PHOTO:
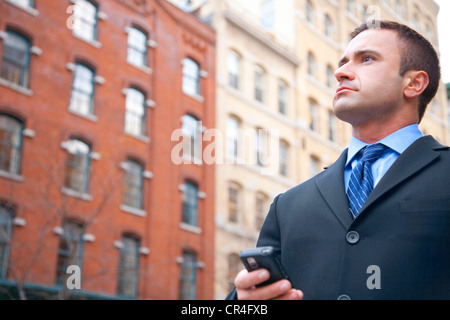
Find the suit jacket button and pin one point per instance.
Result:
(344, 297)
(352, 237)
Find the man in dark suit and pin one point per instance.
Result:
(376, 223)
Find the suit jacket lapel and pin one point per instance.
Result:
(332, 188)
(416, 157)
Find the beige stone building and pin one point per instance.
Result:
(275, 85)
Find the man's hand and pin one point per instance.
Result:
(245, 283)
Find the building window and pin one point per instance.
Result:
(314, 115)
(185, 5)
(328, 27)
(137, 47)
(312, 65)
(191, 138)
(400, 8)
(190, 204)
(233, 137)
(24, 3)
(261, 147)
(332, 130)
(85, 20)
(234, 202)
(6, 223)
(188, 276)
(133, 185)
(70, 249)
(82, 99)
(351, 7)
(77, 166)
(331, 80)
(16, 59)
(234, 267)
(234, 69)
(268, 13)
(191, 77)
(261, 209)
(10, 144)
(284, 158)
(314, 166)
(135, 112)
(309, 12)
(282, 97)
(127, 284)
(260, 79)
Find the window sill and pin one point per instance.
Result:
(11, 176)
(29, 10)
(89, 117)
(142, 138)
(146, 69)
(197, 97)
(93, 43)
(76, 194)
(133, 211)
(190, 228)
(16, 87)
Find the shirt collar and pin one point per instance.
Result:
(398, 141)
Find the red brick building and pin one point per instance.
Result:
(92, 93)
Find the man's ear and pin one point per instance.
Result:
(415, 83)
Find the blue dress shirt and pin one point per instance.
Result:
(398, 142)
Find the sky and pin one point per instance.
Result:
(444, 38)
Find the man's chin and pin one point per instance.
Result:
(345, 111)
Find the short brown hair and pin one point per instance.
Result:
(417, 53)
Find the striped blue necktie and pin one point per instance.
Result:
(361, 180)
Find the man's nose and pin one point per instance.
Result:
(344, 72)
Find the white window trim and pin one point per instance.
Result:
(133, 211)
(29, 10)
(76, 194)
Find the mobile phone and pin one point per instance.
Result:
(264, 258)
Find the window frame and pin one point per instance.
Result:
(283, 97)
(84, 170)
(232, 134)
(192, 131)
(314, 114)
(28, 5)
(133, 181)
(14, 160)
(132, 48)
(234, 69)
(191, 77)
(188, 275)
(11, 61)
(78, 90)
(284, 158)
(190, 203)
(128, 272)
(131, 112)
(259, 84)
(92, 37)
(234, 202)
(67, 255)
(8, 213)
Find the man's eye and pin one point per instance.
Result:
(368, 59)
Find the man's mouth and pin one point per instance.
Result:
(344, 89)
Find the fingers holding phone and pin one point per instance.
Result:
(246, 287)
(264, 277)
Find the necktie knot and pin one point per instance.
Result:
(373, 152)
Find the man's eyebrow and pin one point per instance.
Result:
(358, 54)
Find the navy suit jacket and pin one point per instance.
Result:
(397, 248)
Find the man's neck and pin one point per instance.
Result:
(374, 132)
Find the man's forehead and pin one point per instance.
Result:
(374, 40)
